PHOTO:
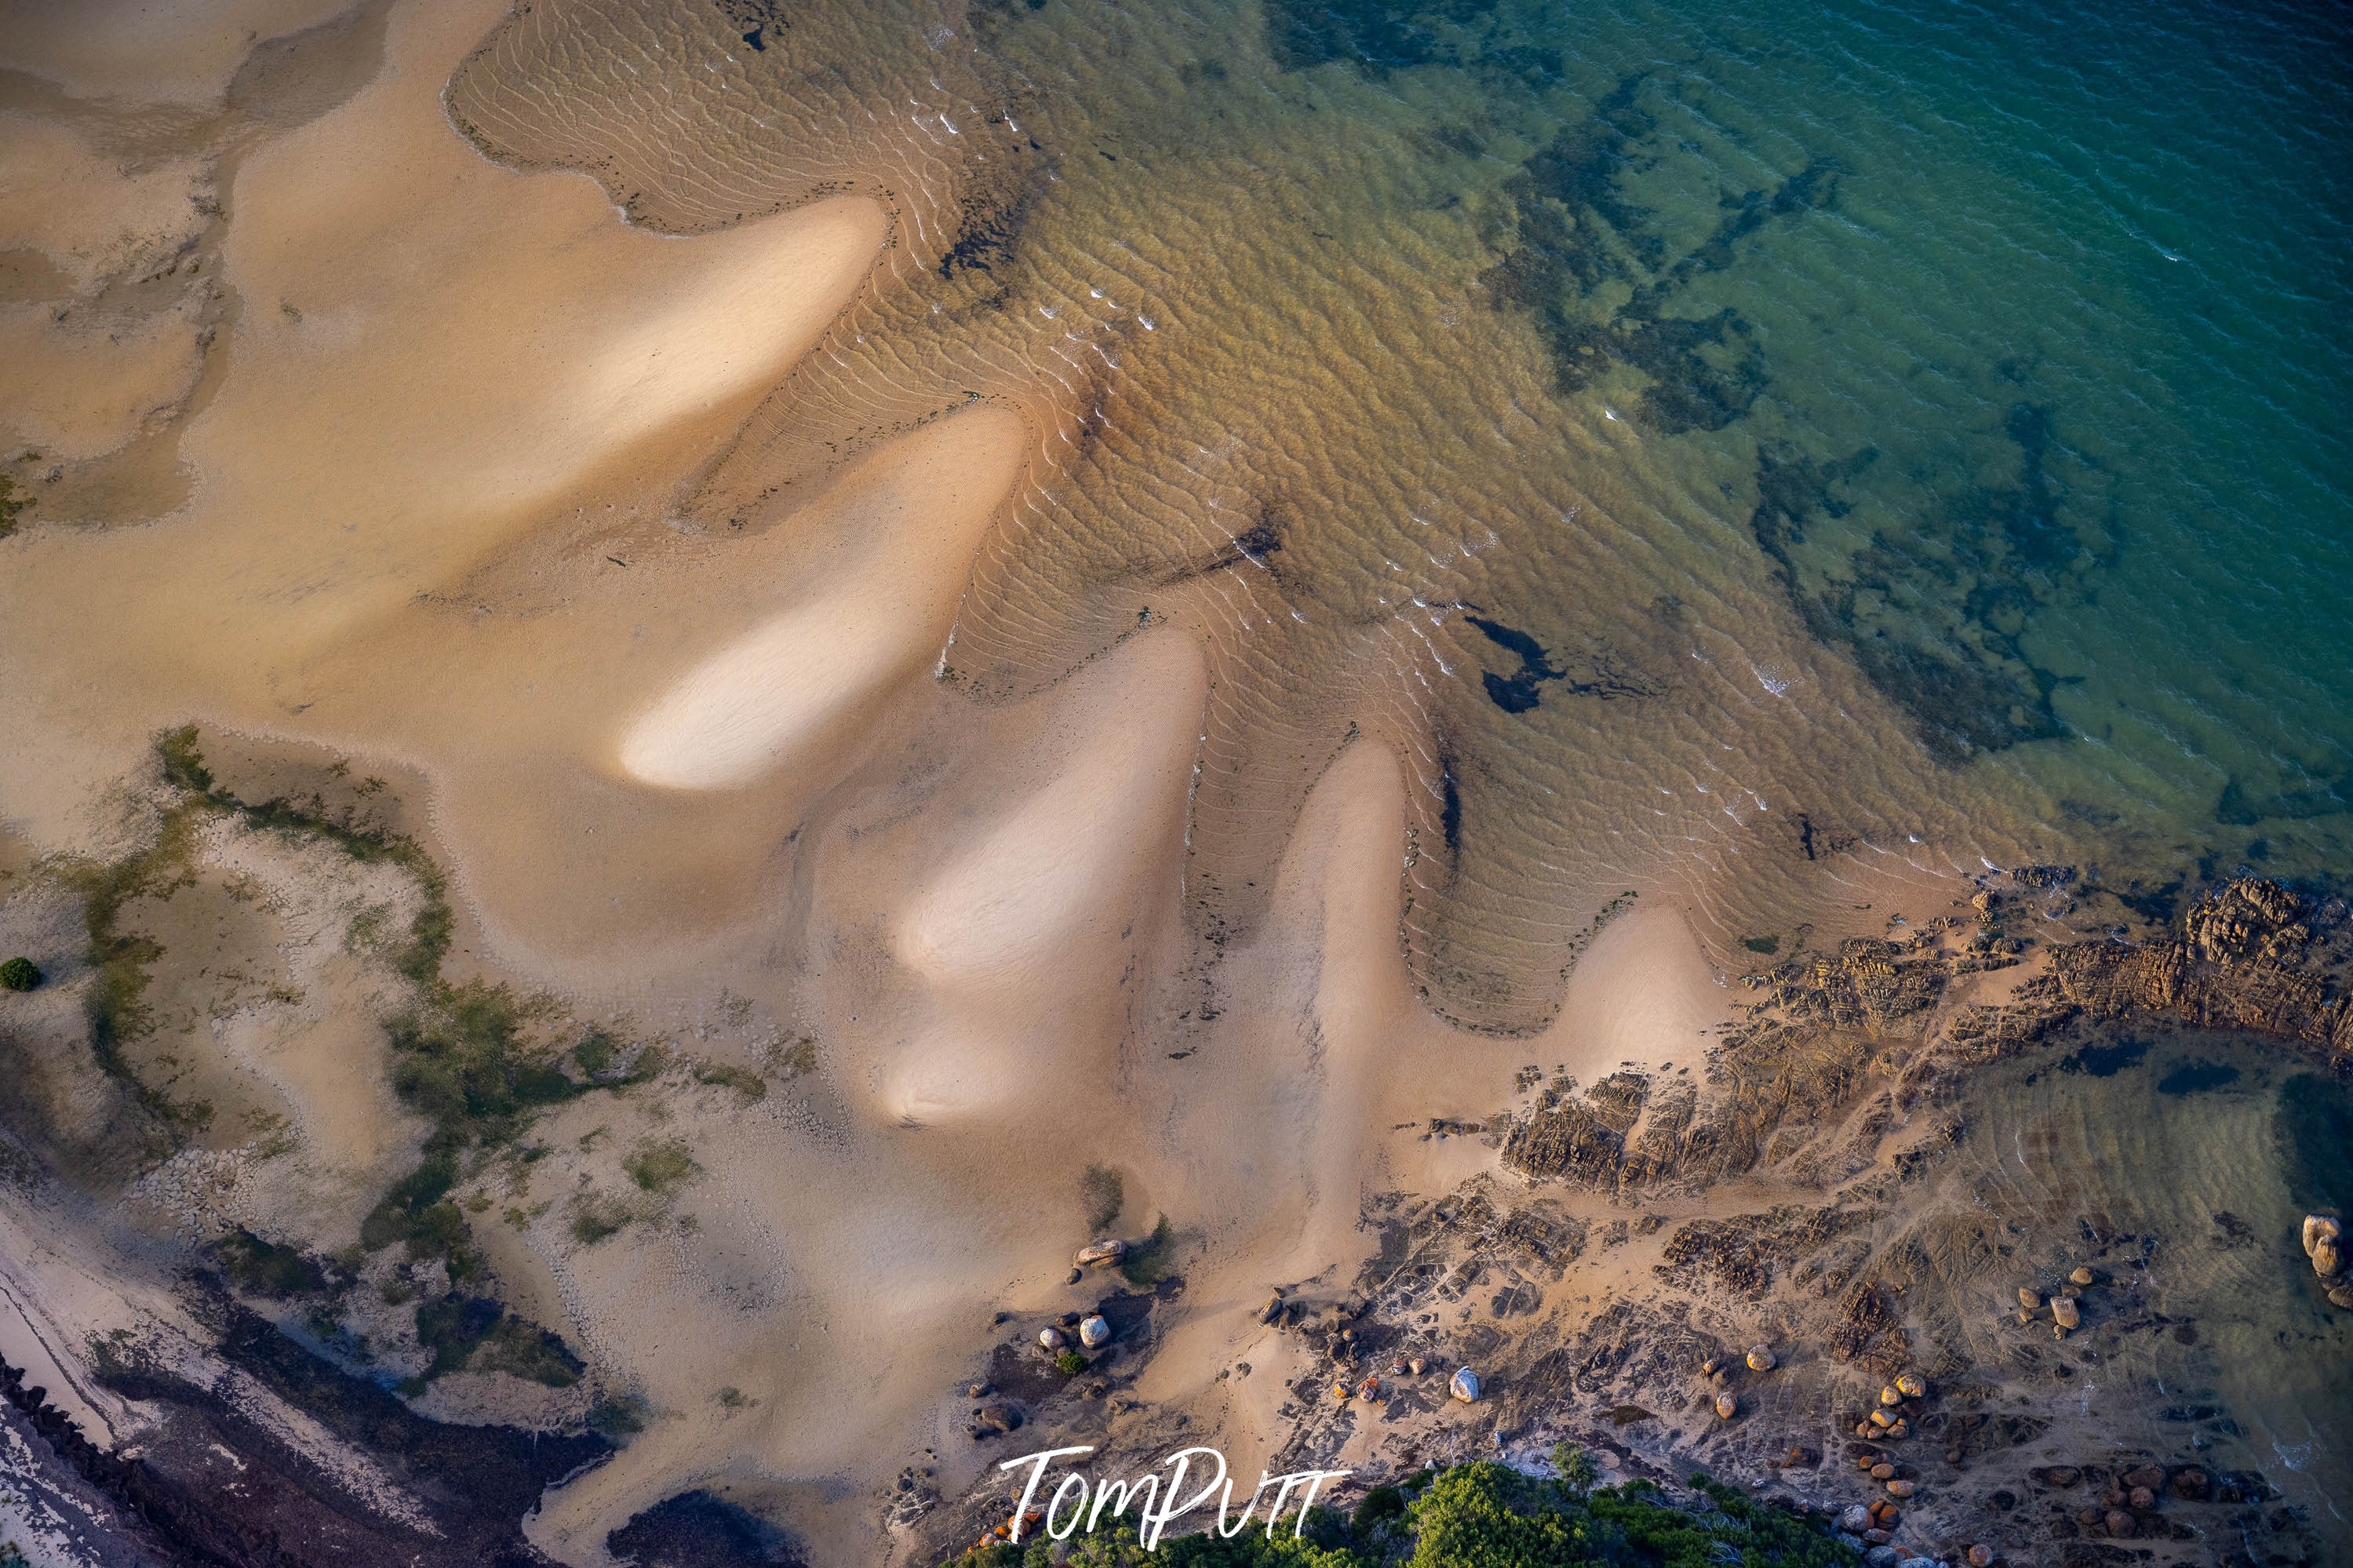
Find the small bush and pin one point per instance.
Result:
(527, 1351)
(618, 1418)
(596, 1217)
(1148, 1261)
(1101, 1190)
(265, 1269)
(20, 973)
(742, 1079)
(1069, 1363)
(658, 1166)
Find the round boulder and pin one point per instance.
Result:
(1464, 1385)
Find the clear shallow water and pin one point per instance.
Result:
(1721, 449)
(2181, 1167)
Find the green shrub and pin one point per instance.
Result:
(1069, 1363)
(265, 1269)
(742, 1079)
(528, 1351)
(20, 973)
(658, 1166)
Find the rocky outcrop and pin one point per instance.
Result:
(2238, 961)
(1836, 1046)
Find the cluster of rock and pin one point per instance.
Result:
(2129, 1503)
(1873, 1525)
(2324, 1244)
(1901, 1404)
(2066, 1303)
(1760, 1358)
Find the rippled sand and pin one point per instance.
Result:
(1021, 556)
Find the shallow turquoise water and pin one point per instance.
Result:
(2052, 375)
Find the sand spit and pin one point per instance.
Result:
(881, 561)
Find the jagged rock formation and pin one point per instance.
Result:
(1837, 1044)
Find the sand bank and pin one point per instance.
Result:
(878, 573)
(178, 52)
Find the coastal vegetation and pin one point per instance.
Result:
(478, 1061)
(1482, 1515)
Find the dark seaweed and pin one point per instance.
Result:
(2191, 1077)
(1981, 559)
(1450, 817)
(1574, 228)
(1373, 37)
(2104, 1061)
(1517, 693)
(697, 1530)
(755, 20)
(2331, 796)
(2314, 1123)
